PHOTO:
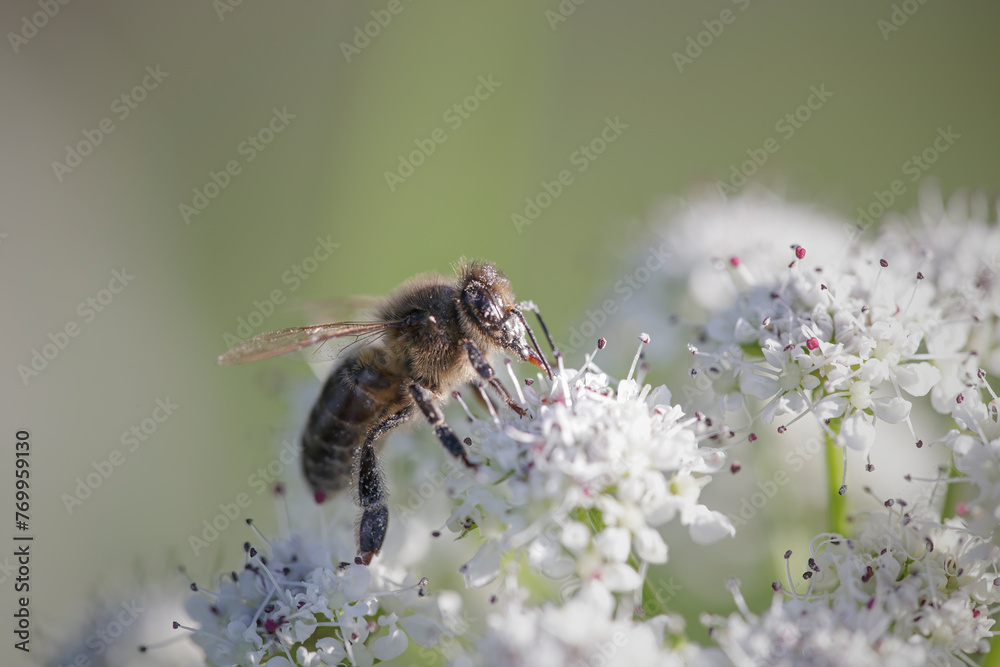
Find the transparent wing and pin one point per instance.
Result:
(274, 343)
(358, 308)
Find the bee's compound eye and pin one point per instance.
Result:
(482, 305)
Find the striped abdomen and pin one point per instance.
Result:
(357, 393)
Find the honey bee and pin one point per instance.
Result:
(431, 335)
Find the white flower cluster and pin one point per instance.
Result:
(300, 606)
(701, 237)
(905, 591)
(856, 340)
(957, 243)
(583, 631)
(975, 448)
(584, 480)
(838, 343)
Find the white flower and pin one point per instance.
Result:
(583, 631)
(583, 481)
(716, 245)
(809, 633)
(857, 340)
(975, 447)
(958, 243)
(786, 381)
(614, 544)
(301, 606)
(906, 591)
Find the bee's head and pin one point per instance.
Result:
(490, 312)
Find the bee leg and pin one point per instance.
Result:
(485, 371)
(371, 489)
(425, 401)
(508, 399)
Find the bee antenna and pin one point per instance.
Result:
(530, 305)
(534, 341)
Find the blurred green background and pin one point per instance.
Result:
(359, 105)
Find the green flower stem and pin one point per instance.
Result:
(992, 658)
(836, 508)
(952, 494)
(653, 603)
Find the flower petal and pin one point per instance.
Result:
(303, 628)
(857, 433)
(575, 536)
(619, 577)
(707, 526)
(360, 655)
(331, 651)
(758, 386)
(391, 645)
(649, 546)
(917, 379)
(355, 581)
(614, 543)
(483, 567)
(422, 630)
(892, 410)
